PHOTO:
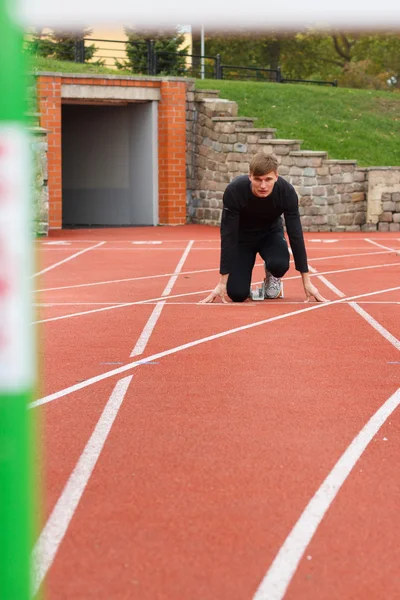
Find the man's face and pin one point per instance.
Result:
(262, 185)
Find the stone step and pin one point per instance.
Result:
(219, 107)
(200, 95)
(281, 146)
(308, 158)
(308, 153)
(36, 130)
(235, 119)
(263, 133)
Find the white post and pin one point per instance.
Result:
(202, 52)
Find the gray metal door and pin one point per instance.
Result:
(110, 165)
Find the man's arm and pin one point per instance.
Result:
(296, 238)
(310, 289)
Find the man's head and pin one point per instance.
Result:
(263, 174)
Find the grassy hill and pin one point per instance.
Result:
(362, 125)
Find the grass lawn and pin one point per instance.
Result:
(362, 125)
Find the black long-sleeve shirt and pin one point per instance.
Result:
(245, 215)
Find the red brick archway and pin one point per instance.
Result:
(171, 140)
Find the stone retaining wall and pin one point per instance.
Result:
(332, 193)
(384, 198)
(38, 143)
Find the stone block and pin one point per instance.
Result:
(294, 170)
(386, 217)
(357, 197)
(240, 148)
(332, 220)
(323, 171)
(320, 220)
(337, 178)
(347, 177)
(396, 197)
(309, 172)
(389, 206)
(346, 219)
(319, 191)
(394, 227)
(305, 191)
(383, 227)
(396, 217)
(359, 175)
(359, 218)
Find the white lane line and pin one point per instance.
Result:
(151, 323)
(134, 364)
(152, 300)
(57, 524)
(281, 571)
(284, 566)
(326, 282)
(67, 259)
(381, 246)
(261, 264)
(379, 328)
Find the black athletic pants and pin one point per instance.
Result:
(272, 248)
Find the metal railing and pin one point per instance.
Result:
(115, 54)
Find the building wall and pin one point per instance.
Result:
(171, 138)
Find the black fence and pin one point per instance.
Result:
(143, 58)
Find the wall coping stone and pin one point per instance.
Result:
(308, 153)
(382, 168)
(37, 130)
(216, 92)
(255, 129)
(110, 77)
(219, 100)
(340, 162)
(226, 119)
(279, 142)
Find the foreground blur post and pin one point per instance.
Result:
(16, 347)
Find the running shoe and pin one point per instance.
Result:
(273, 286)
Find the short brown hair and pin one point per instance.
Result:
(262, 163)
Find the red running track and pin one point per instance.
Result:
(189, 476)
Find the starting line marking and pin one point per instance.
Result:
(147, 242)
(134, 364)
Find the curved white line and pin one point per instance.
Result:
(284, 566)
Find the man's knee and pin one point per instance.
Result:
(237, 293)
(278, 266)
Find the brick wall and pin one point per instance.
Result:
(171, 139)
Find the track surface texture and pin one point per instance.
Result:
(216, 452)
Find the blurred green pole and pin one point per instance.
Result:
(16, 347)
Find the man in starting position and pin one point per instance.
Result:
(251, 223)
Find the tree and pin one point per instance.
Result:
(169, 54)
(61, 45)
